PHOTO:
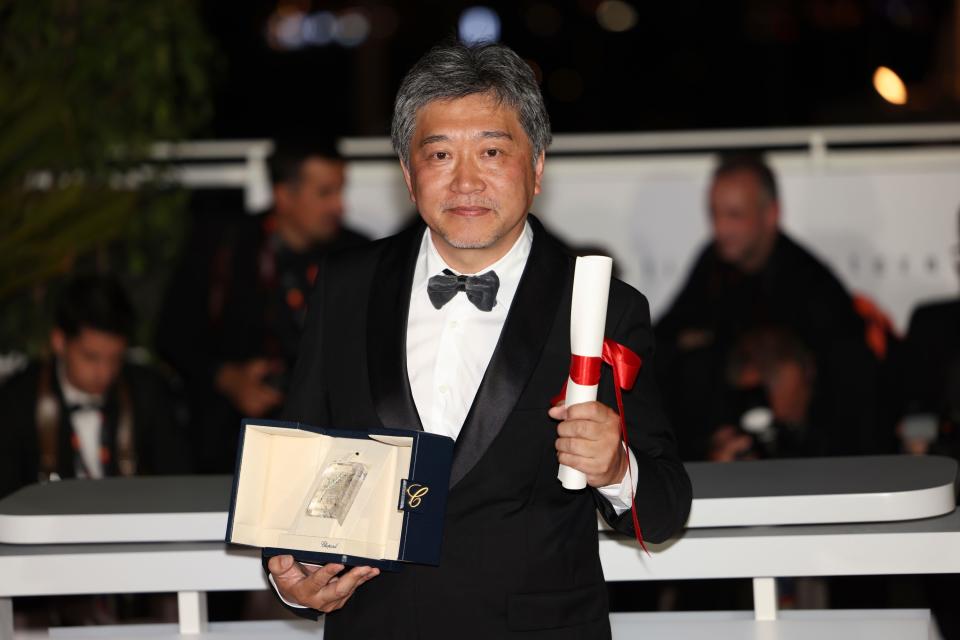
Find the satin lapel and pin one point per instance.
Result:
(522, 340)
(387, 332)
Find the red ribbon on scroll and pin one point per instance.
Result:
(585, 371)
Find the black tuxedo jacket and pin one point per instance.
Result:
(520, 553)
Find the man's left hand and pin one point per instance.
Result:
(589, 441)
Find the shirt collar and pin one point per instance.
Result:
(509, 268)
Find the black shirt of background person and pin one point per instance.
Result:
(159, 433)
(931, 370)
(237, 294)
(794, 291)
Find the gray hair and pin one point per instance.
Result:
(455, 70)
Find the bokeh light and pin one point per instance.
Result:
(317, 29)
(352, 29)
(479, 24)
(889, 85)
(616, 16)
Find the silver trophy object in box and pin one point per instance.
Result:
(336, 489)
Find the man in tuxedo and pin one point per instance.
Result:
(87, 412)
(461, 327)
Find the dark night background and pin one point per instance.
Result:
(687, 64)
(81, 80)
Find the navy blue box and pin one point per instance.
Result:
(393, 483)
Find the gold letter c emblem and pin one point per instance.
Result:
(415, 493)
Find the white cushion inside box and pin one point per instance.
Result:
(278, 469)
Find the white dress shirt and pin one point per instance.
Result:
(448, 349)
(87, 425)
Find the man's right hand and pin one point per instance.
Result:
(316, 587)
(243, 383)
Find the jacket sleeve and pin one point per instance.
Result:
(663, 491)
(307, 396)
(306, 400)
(164, 442)
(920, 385)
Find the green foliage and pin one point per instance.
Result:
(85, 88)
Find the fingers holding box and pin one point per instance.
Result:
(319, 588)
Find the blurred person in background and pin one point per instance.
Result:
(930, 380)
(773, 368)
(232, 316)
(763, 354)
(87, 412)
(752, 277)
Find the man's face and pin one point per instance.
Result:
(744, 220)
(313, 205)
(472, 175)
(92, 358)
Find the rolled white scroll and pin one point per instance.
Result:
(588, 316)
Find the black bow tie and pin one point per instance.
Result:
(86, 406)
(481, 290)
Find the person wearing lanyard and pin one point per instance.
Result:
(87, 412)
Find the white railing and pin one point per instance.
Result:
(814, 138)
(878, 203)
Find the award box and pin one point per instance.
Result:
(374, 498)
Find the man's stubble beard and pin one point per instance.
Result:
(479, 243)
